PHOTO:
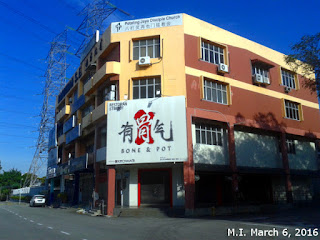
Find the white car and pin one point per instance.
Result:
(38, 200)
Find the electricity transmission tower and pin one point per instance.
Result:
(95, 14)
(55, 80)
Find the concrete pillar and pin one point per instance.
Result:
(111, 190)
(233, 161)
(189, 172)
(285, 162)
(62, 185)
(51, 199)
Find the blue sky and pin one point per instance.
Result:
(28, 26)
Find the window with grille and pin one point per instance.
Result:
(259, 69)
(291, 146)
(209, 134)
(147, 88)
(292, 110)
(215, 91)
(212, 53)
(147, 47)
(288, 79)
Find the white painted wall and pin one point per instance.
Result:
(210, 154)
(305, 157)
(256, 150)
(133, 187)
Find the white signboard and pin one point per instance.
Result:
(146, 23)
(147, 131)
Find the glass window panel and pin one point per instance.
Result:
(210, 46)
(219, 139)
(150, 51)
(206, 57)
(143, 92)
(135, 53)
(211, 57)
(216, 58)
(214, 138)
(157, 40)
(157, 51)
(143, 51)
(136, 93)
(150, 81)
(219, 97)
(142, 82)
(214, 95)
(208, 97)
(197, 136)
(221, 59)
(143, 42)
(216, 49)
(209, 140)
(136, 43)
(157, 81)
(203, 136)
(224, 97)
(150, 91)
(205, 45)
(150, 42)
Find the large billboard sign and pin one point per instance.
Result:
(147, 131)
(147, 23)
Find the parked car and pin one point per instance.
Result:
(38, 200)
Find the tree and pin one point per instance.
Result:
(0, 166)
(306, 58)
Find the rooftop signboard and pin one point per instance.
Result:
(147, 23)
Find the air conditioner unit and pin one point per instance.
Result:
(258, 78)
(287, 89)
(266, 80)
(144, 61)
(223, 68)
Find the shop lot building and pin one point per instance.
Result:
(173, 111)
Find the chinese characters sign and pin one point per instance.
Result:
(147, 131)
(146, 23)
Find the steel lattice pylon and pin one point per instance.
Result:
(55, 81)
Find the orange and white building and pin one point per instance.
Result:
(224, 118)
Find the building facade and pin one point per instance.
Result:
(239, 124)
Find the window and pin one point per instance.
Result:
(147, 47)
(107, 93)
(212, 53)
(292, 110)
(215, 92)
(259, 69)
(291, 146)
(147, 88)
(208, 134)
(87, 110)
(288, 79)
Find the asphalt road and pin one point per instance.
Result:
(23, 222)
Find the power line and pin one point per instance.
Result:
(20, 61)
(27, 17)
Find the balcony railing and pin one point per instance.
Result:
(87, 120)
(100, 111)
(107, 70)
(61, 139)
(64, 111)
(65, 90)
(73, 134)
(69, 124)
(77, 104)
